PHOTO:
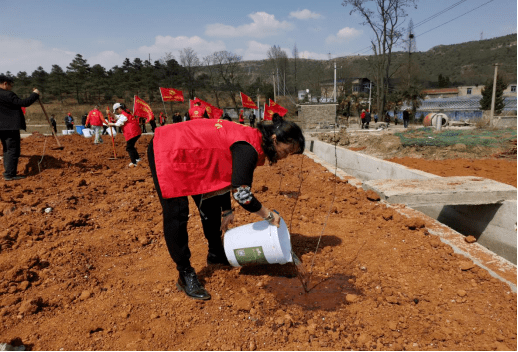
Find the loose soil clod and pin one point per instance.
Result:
(94, 273)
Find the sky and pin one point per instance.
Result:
(43, 33)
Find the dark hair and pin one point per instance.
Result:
(285, 131)
(4, 78)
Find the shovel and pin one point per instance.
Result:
(59, 147)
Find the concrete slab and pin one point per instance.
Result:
(458, 190)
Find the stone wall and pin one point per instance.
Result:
(316, 115)
(501, 121)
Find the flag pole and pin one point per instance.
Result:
(162, 100)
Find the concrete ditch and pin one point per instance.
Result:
(492, 222)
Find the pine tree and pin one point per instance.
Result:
(78, 71)
(487, 93)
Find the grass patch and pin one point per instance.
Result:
(428, 136)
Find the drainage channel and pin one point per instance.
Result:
(494, 225)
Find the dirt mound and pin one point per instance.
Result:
(83, 266)
(340, 138)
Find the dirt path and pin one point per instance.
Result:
(93, 271)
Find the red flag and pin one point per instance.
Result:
(23, 110)
(212, 111)
(277, 108)
(268, 112)
(142, 109)
(171, 94)
(247, 102)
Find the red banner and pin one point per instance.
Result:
(212, 111)
(142, 109)
(171, 94)
(268, 112)
(24, 110)
(247, 102)
(277, 108)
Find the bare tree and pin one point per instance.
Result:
(227, 68)
(189, 60)
(212, 76)
(383, 17)
(295, 53)
(279, 63)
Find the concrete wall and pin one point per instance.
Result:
(493, 225)
(500, 121)
(315, 115)
(364, 167)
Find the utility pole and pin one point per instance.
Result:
(258, 107)
(273, 80)
(278, 83)
(370, 90)
(493, 97)
(334, 88)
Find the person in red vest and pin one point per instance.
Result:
(130, 129)
(198, 112)
(96, 120)
(241, 117)
(162, 118)
(226, 157)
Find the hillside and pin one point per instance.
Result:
(465, 64)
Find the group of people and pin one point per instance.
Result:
(227, 154)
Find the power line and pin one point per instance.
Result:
(439, 13)
(465, 13)
(366, 49)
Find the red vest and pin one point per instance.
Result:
(95, 118)
(131, 128)
(194, 158)
(241, 118)
(196, 112)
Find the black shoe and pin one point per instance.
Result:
(213, 259)
(14, 178)
(188, 283)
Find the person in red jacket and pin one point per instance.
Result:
(162, 118)
(208, 160)
(198, 112)
(241, 117)
(96, 120)
(130, 129)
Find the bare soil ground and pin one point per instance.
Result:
(496, 162)
(83, 266)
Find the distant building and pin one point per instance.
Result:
(465, 91)
(361, 85)
(441, 93)
(357, 85)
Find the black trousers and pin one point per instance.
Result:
(132, 151)
(153, 125)
(11, 145)
(176, 216)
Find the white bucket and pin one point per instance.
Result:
(111, 131)
(258, 243)
(67, 132)
(88, 132)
